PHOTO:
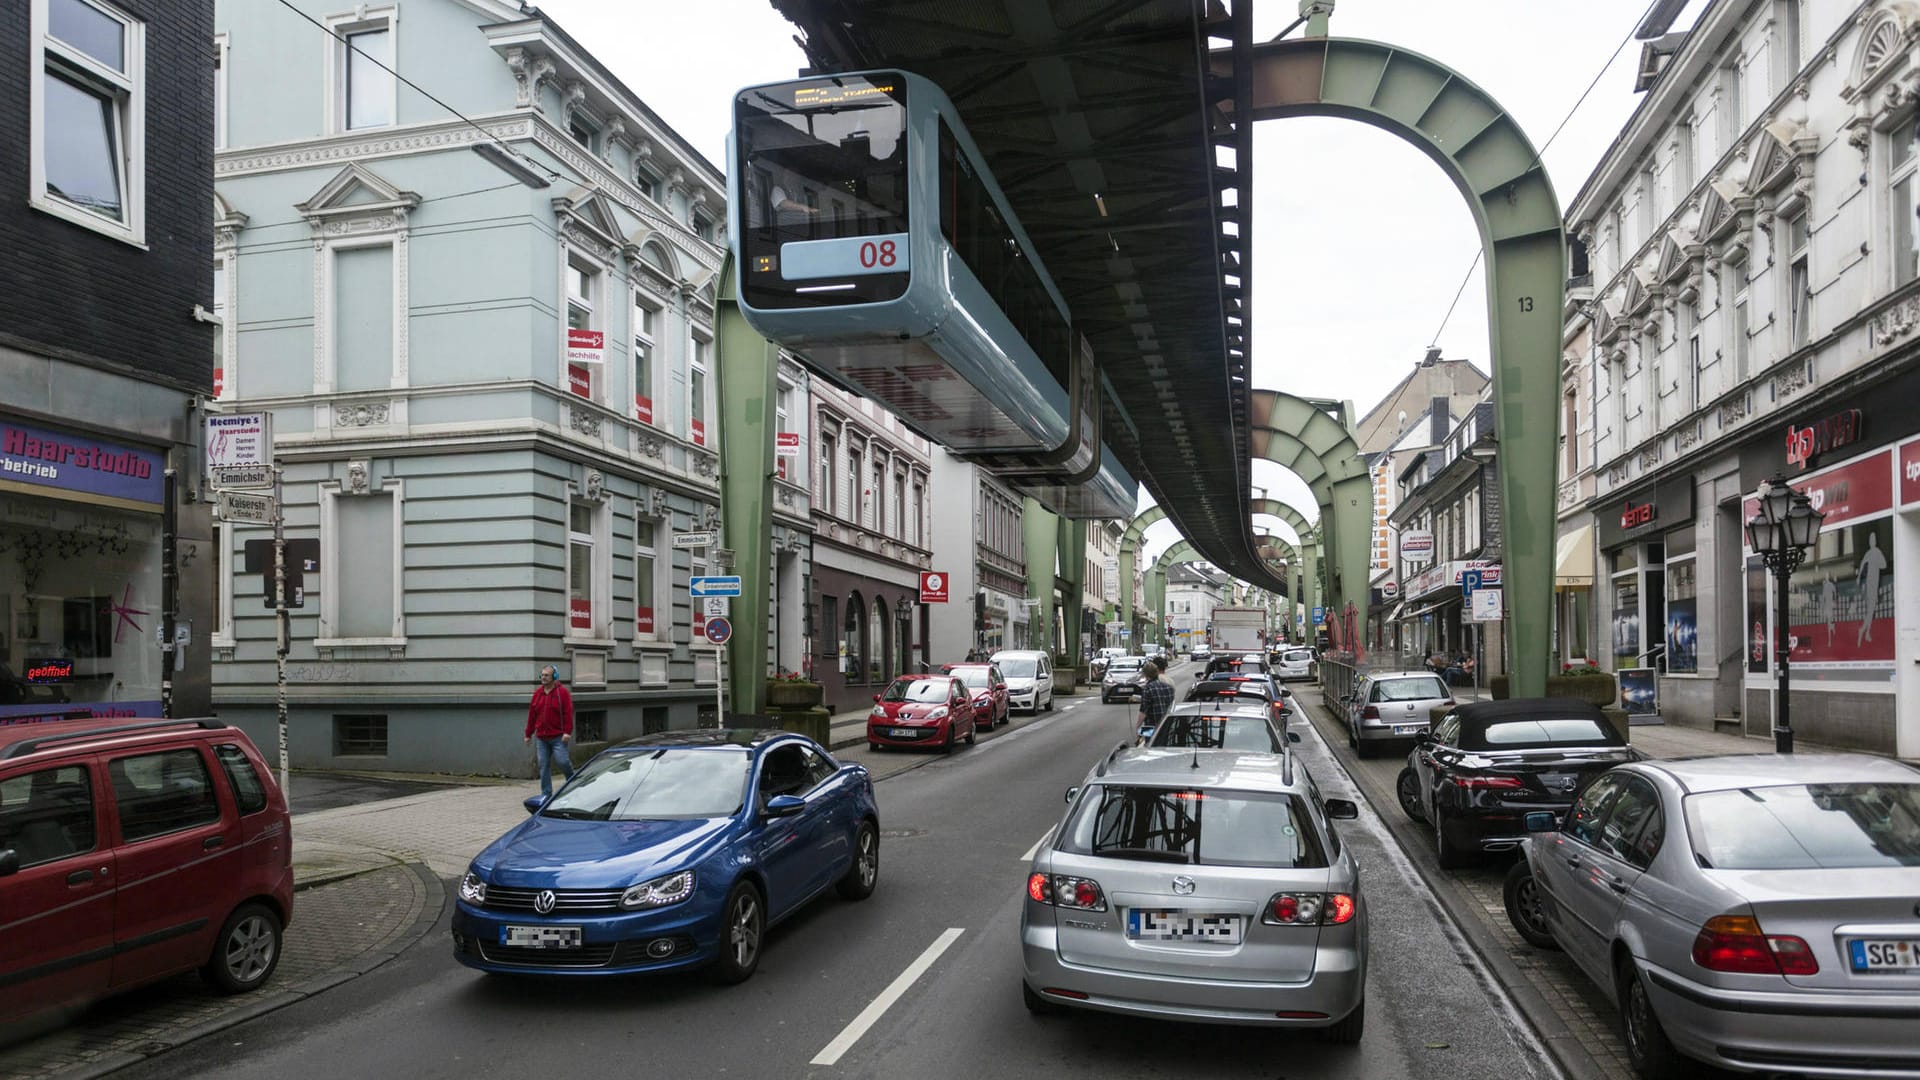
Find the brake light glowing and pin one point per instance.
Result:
(1339, 909)
(1735, 943)
(1061, 890)
(1039, 888)
(1308, 909)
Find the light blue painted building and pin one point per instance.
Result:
(486, 341)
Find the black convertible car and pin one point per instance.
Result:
(1488, 764)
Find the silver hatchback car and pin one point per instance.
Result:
(1758, 912)
(1199, 885)
(1392, 708)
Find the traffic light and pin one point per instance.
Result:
(980, 611)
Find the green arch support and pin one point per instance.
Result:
(1319, 449)
(1492, 162)
(1136, 532)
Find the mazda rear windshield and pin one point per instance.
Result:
(1807, 827)
(647, 786)
(1218, 733)
(1195, 827)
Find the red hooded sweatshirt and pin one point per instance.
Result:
(551, 713)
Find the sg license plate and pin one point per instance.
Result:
(900, 733)
(1883, 955)
(541, 937)
(1406, 729)
(1215, 928)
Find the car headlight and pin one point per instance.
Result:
(472, 889)
(659, 892)
(937, 714)
(878, 713)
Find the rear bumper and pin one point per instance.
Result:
(1807, 1032)
(1333, 990)
(1471, 830)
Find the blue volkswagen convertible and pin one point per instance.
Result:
(670, 851)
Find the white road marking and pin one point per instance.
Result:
(895, 990)
(1035, 849)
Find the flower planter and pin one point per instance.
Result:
(794, 695)
(1064, 680)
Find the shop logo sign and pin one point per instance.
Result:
(1632, 517)
(1806, 442)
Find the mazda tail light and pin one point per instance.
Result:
(1062, 890)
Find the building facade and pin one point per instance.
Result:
(1193, 591)
(105, 358)
(1755, 302)
(1449, 509)
(977, 542)
(872, 538)
(486, 342)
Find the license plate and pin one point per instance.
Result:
(1211, 927)
(540, 937)
(900, 733)
(1884, 955)
(1406, 729)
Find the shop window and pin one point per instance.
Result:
(1683, 616)
(878, 655)
(853, 654)
(360, 734)
(830, 635)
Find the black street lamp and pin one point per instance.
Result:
(1786, 526)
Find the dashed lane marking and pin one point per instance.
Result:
(1035, 849)
(895, 990)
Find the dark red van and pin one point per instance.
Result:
(132, 850)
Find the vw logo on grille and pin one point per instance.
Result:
(543, 901)
(1183, 885)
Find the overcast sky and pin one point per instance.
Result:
(1360, 243)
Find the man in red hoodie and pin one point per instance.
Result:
(550, 722)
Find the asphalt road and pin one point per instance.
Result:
(952, 868)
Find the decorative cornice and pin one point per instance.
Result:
(1896, 322)
(359, 146)
(1732, 412)
(1791, 381)
(595, 172)
(585, 421)
(531, 71)
(360, 414)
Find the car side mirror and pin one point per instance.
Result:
(535, 802)
(9, 862)
(1542, 821)
(876, 697)
(785, 805)
(1071, 792)
(1342, 809)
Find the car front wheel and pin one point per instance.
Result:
(743, 921)
(864, 873)
(1526, 908)
(246, 952)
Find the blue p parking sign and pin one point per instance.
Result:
(1469, 581)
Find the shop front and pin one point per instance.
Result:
(80, 574)
(1648, 552)
(870, 630)
(1434, 618)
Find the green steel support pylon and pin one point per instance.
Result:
(746, 372)
(1039, 528)
(1072, 535)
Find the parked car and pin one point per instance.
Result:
(1029, 675)
(1756, 912)
(1198, 886)
(675, 850)
(1488, 764)
(1392, 707)
(922, 710)
(132, 851)
(989, 690)
(1122, 680)
(1293, 663)
(1211, 725)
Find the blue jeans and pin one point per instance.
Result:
(547, 751)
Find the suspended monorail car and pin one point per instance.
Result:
(870, 237)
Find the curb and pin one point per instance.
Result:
(1548, 1026)
(353, 968)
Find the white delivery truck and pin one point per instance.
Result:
(1239, 630)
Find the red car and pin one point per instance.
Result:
(922, 710)
(989, 690)
(133, 850)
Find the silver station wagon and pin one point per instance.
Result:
(1199, 885)
(1759, 912)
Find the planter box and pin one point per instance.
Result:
(794, 695)
(1064, 680)
(815, 723)
(1596, 687)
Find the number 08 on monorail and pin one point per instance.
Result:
(870, 237)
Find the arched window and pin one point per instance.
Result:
(877, 641)
(850, 645)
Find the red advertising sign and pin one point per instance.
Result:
(698, 429)
(1844, 493)
(1807, 441)
(933, 587)
(699, 622)
(579, 380)
(1909, 473)
(786, 444)
(643, 620)
(219, 381)
(580, 613)
(643, 408)
(586, 346)
(1633, 516)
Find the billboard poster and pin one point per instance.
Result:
(1626, 622)
(1683, 635)
(1840, 601)
(1639, 693)
(1757, 648)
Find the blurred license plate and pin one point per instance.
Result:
(1871, 955)
(1407, 729)
(541, 937)
(1220, 929)
(900, 733)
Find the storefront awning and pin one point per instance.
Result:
(1573, 559)
(1393, 613)
(1430, 608)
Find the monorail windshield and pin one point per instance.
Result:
(824, 215)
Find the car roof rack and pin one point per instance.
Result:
(28, 746)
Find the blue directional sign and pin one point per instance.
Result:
(715, 586)
(1319, 614)
(1469, 581)
(718, 629)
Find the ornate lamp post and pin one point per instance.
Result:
(1786, 526)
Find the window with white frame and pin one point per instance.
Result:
(1617, 389)
(221, 362)
(899, 507)
(782, 424)
(88, 101)
(1683, 158)
(1901, 208)
(651, 584)
(919, 513)
(363, 92)
(824, 497)
(220, 91)
(877, 495)
(1799, 283)
(697, 390)
(647, 181)
(646, 315)
(1569, 436)
(1694, 390)
(583, 291)
(582, 128)
(587, 570)
(367, 605)
(1658, 393)
(361, 302)
(853, 511)
(223, 584)
(1730, 106)
(703, 227)
(1741, 338)
(1790, 33)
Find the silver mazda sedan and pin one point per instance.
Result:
(1199, 885)
(1758, 912)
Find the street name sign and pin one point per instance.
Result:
(695, 539)
(242, 506)
(715, 586)
(243, 476)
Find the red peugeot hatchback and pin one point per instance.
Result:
(135, 850)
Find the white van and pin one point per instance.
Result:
(1029, 675)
